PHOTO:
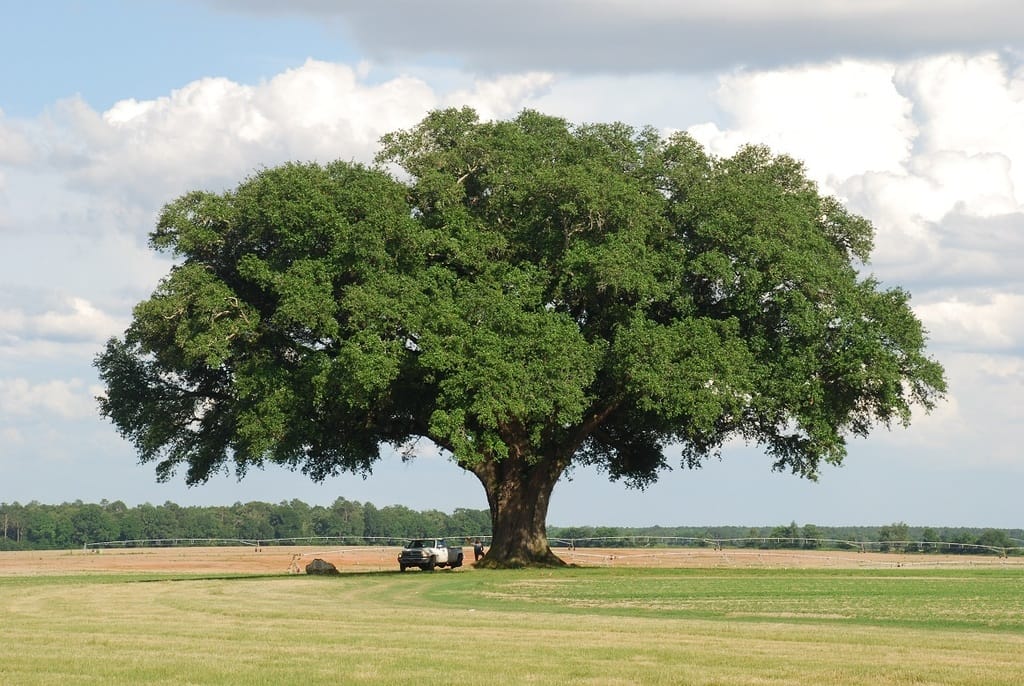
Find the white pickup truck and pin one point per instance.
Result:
(428, 553)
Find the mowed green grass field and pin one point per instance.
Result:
(607, 625)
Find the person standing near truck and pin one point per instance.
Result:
(478, 549)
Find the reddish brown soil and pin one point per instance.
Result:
(285, 559)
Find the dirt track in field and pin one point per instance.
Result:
(293, 559)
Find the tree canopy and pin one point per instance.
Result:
(527, 295)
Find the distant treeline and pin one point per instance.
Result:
(897, 537)
(35, 526)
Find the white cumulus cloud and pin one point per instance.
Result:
(841, 119)
(72, 320)
(987, 322)
(212, 132)
(503, 96)
(77, 320)
(15, 147)
(68, 399)
(925, 149)
(12, 321)
(973, 105)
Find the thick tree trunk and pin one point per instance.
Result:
(518, 493)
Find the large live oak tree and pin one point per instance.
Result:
(528, 295)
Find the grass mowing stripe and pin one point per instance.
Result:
(576, 626)
(947, 599)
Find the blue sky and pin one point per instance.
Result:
(106, 50)
(912, 112)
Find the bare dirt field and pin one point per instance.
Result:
(293, 559)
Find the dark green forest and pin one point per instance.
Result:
(70, 525)
(36, 526)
